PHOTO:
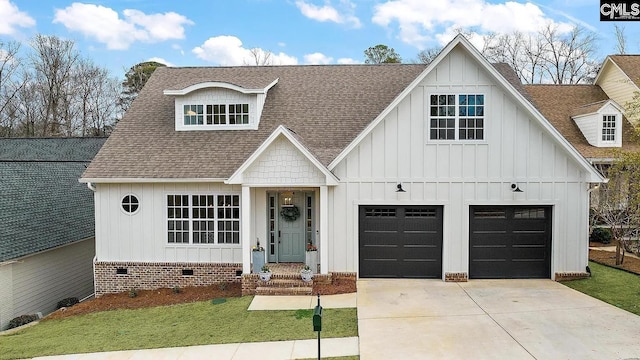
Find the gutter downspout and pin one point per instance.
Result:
(91, 186)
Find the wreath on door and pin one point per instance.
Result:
(290, 213)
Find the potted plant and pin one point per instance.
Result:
(265, 273)
(306, 273)
(258, 257)
(311, 257)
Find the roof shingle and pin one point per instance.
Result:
(42, 204)
(327, 106)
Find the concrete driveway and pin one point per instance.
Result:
(490, 319)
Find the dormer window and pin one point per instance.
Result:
(609, 128)
(216, 114)
(600, 123)
(219, 106)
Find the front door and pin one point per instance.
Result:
(291, 226)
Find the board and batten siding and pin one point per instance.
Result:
(457, 175)
(142, 236)
(36, 283)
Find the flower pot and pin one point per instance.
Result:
(311, 260)
(258, 261)
(265, 276)
(307, 275)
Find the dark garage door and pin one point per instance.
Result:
(400, 241)
(510, 242)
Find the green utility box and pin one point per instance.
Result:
(317, 318)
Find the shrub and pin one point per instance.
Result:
(601, 235)
(70, 301)
(22, 320)
(223, 286)
(175, 289)
(133, 293)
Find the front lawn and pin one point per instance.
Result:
(616, 287)
(170, 326)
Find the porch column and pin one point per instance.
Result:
(245, 215)
(324, 230)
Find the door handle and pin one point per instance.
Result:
(279, 235)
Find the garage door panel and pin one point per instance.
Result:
(510, 242)
(400, 241)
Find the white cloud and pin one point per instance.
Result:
(105, 25)
(227, 50)
(330, 13)
(417, 18)
(317, 59)
(348, 61)
(12, 18)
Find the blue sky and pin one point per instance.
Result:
(120, 33)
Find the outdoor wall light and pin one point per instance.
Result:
(400, 189)
(515, 188)
(287, 198)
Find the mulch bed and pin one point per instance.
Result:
(163, 297)
(608, 258)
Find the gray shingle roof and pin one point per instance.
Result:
(42, 204)
(327, 106)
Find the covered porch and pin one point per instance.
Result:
(285, 203)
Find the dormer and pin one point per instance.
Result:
(218, 106)
(600, 123)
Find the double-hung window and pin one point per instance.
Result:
(456, 117)
(609, 128)
(203, 219)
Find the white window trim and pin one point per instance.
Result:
(618, 130)
(132, 212)
(181, 126)
(190, 244)
(457, 118)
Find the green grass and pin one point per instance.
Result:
(616, 287)
(170, 326)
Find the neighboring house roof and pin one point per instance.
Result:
(327, 106)
(630, 65)
(43, 204)
(559, 102)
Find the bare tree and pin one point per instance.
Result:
(52, 61)
(621, 40)
(548, 56)
(259, 57)
(10, 84)
(618, 203)
(427, 56)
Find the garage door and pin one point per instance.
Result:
(400, 241)
(510, 242)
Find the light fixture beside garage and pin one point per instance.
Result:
(515, 188)
(399, 188)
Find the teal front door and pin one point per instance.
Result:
(291, 245)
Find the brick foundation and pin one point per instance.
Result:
(149, 276)
(565, 276)
(250, 282)
(456, 277)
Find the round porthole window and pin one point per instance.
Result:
(130, 204)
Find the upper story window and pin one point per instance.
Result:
(216, 114)
(456, 117)
(609, 128)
